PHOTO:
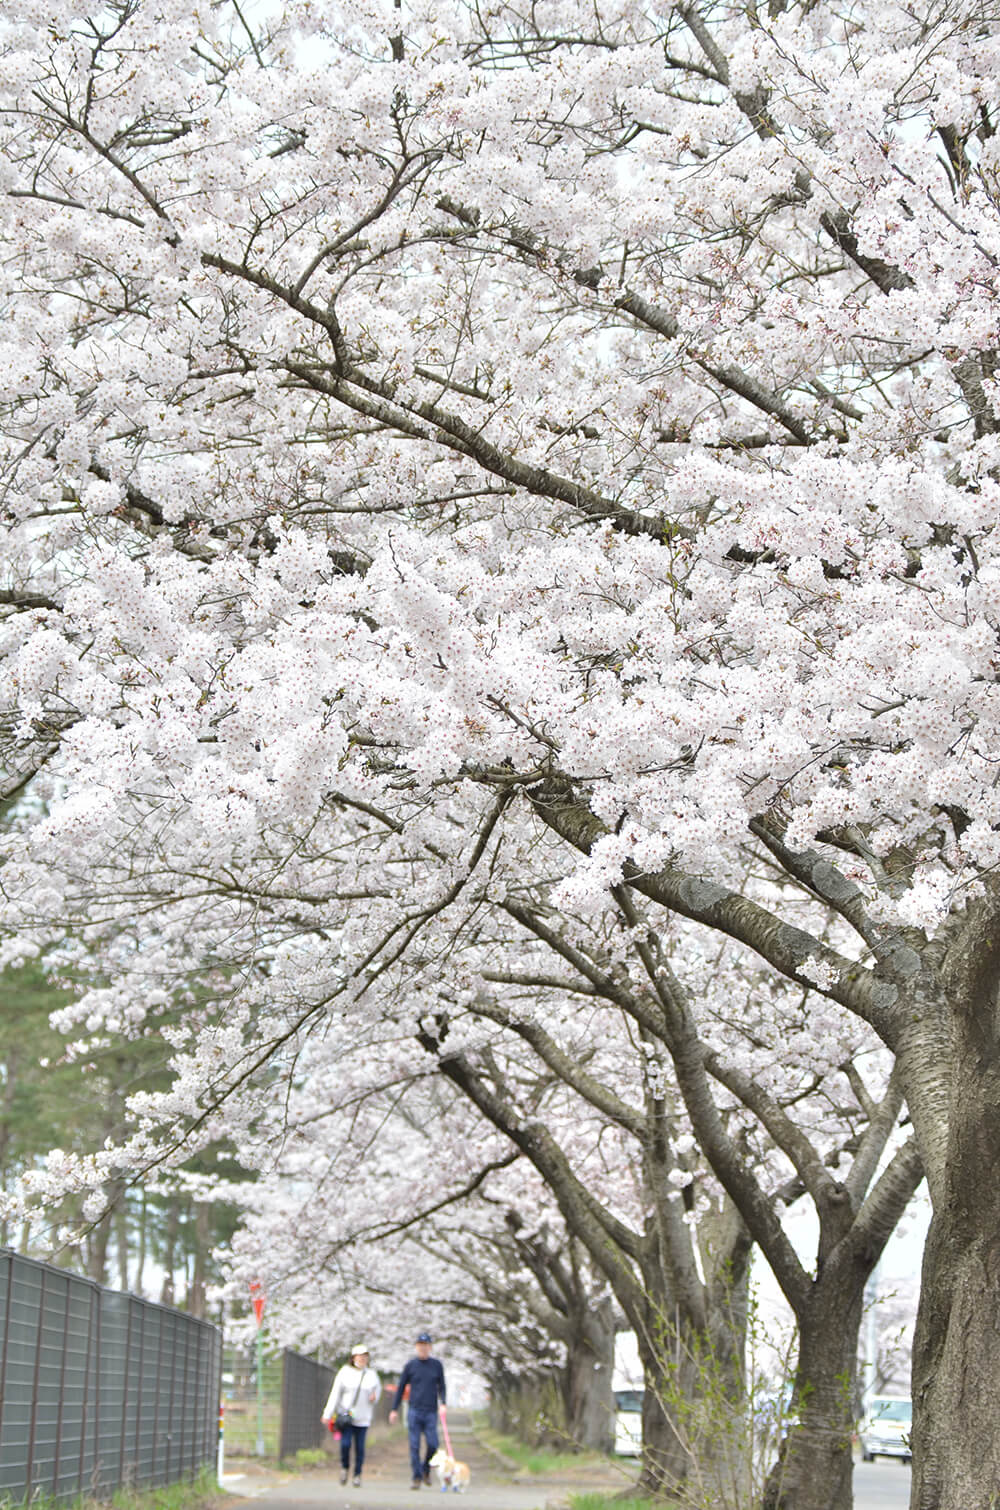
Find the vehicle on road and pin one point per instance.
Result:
(884, 1430)
(628, 1423)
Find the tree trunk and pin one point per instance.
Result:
(690, 1412)
(693, 1407)
(815, 1467)
(956, 1365)
(195, 1302)
(587, 1378)
(140, 1257)
(121, 1241)
(665, 1462)
(170, 1251)
(505, 1394)
(956, 1354)
(9, 1082)
(97, 1249)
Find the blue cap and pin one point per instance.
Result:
(424, 1337)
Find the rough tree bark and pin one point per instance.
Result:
(956, 1354)
(935, 1006)
(588, 1397)
(815, 1468)
(585, 1327)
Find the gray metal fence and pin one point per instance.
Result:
(285, 1414)
(305, 1387)
(99, 1389)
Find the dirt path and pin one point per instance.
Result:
(387, 1480)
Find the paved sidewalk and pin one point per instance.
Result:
(387, 1481)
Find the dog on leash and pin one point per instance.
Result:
(453, 1474)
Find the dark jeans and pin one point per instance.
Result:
(418, 1421)
(356, 1434)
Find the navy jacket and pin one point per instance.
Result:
(425, 1376)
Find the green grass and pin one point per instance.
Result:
(535, 1459)
(200, 1493)
(609, 1502)
(240, 1429)
(195, 1494)
(308, 1457)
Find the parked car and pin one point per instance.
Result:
(885, 1428)
(628, 1422)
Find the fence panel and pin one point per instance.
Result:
(99, 1389)
(305, 1386)
(251, 1402)
(284, 1411)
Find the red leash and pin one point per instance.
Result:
(444, 1428)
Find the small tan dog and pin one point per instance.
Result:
(454, 1475)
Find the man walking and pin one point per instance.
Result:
(425, 1376)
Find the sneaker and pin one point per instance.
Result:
(356, 1481)
(343, 1475)
(416, 1483)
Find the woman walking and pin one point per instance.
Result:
(352, 1400)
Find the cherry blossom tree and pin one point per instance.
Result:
(604, 1158)
(550, 1298)
(370, 1231)
(649, 1219)
(428, 428)
(745, 1099)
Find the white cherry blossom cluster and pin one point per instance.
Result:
(402, 453)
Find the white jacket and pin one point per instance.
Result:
(351, 1381)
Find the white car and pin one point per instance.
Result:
(885, 1428)
(628, 1423)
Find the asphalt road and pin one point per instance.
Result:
(387, 1481)
(323, 1490)
(882, 1485)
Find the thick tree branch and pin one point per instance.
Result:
(568, 1069)
(688, 1054)
(788, 948)
(817, 1180)
(884, 1206)
(610, 1243)
(882, 1119)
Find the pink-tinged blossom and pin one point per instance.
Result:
(486, 478)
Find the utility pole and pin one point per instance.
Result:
(259, 1301)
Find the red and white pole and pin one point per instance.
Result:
(258, 1299)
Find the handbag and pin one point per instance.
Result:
(345, 1418)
